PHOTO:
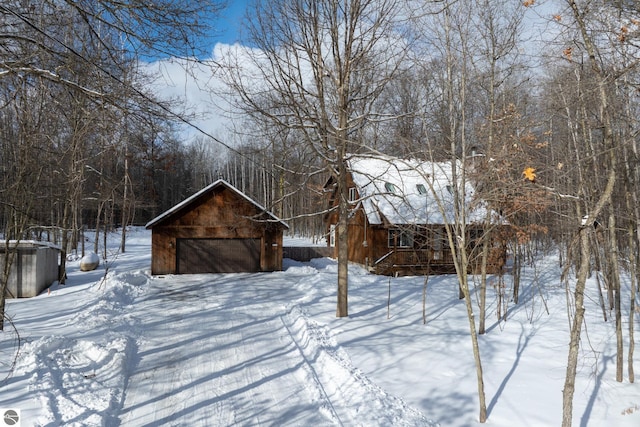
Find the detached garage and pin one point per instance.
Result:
(217, 230)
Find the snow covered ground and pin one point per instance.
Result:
(266, 349)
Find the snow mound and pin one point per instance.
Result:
(301, 269)
(342, 391)
(81, 380)
(89, 262)
(111, 295)
(326, 264)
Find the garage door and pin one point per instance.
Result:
(218, 255)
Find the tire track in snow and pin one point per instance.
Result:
(241, 362)
(349, 397)
(187, 352)
(80, 379)
(310, 370)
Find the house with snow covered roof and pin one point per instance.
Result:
(399, 211)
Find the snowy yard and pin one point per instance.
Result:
(266, 349)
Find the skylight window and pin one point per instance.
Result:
(389, 187)
(421, 188)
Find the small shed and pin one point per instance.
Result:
(217, 230)
(34, 266)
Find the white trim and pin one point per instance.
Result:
(353, 194)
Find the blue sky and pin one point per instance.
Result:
(179, 80)
(197, 84)
(228, 26)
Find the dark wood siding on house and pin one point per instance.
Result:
(368, 244)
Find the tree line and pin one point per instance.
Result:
(537, 99)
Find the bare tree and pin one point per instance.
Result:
(318, 67)
(610, 142)
(22, 172)
(452, 89)
(77, 56)
(498, 25)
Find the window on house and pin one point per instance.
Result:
(421, 188)
(440, 239)
(475, 236)
(400, 238)
(389, 187)
(332, 235)
(353, 194)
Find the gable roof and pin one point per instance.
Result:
(219, 183)
(410, 191)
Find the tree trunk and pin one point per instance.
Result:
(342, 309)
(576, 329)
(517, 268)
(106, 231)
(456, 232)
(62, 272)
(634, 251)
(588, 221)
(464, 285)
(632, 306)
(424, 298)
(583, 274)
(4, 280)
(96, 241)
(483, 284)
(614, 283)
(633, 262)
(125, 203)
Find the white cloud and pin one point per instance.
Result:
(196, 85)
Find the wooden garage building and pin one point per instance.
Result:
(217, 230)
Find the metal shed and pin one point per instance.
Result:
(217, 230)
(34, 267)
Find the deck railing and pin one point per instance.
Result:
(415, 261)
(427, 261)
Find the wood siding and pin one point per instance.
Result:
(429, 253)
(219, 214)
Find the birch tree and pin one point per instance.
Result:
(587, 42)
(454, 53)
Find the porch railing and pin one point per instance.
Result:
(428, 261)
(414, 261)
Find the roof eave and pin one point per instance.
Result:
(189, 200)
